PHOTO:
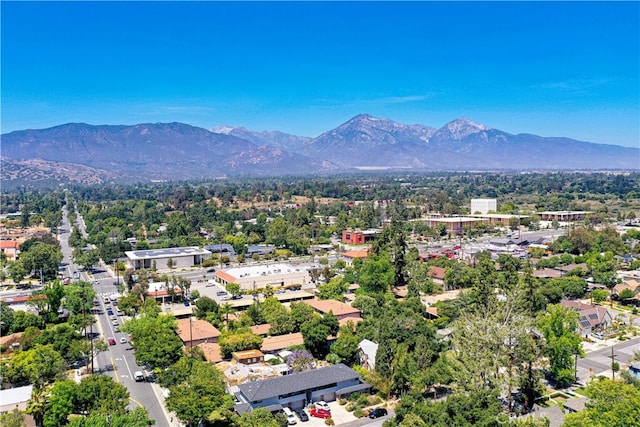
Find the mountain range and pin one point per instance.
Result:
(177, 151)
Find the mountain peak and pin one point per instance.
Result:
(463, 127)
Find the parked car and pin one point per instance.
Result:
(320, 413)
(321, 404)
(221, 293)
(302, 416)
(110, 312)
(114, 322)
(111, 341)
(291, 418)
(378, 412)
(187, 303)
(123, 340)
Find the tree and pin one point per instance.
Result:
(6, 318)
(612, 403)
(38, 366)
(234, 289)
(300, 313)
(60, 404)
(239, 340)
(300, 360)
(259, 417)
(376, 274)
(12, 419)
(102, 394)
(42, 258)
(334, 289)
(315, 334)
(599, 295)
(155, 340)
(484, 284)
(346, 346)
(138, 417)
(625, 295)
(88, 259)
(17, 271)
(201, 397)
(562, 343)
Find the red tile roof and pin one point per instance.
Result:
(338, 308)
(199, 330)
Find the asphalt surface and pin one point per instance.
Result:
(599, 362)
(119, 359)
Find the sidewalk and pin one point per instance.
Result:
(171, 416)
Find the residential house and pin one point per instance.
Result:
(437, 274)
(299, 388)
(350, 256)
(547, 273)
(211, 351)
(280, 342)
(339, 309)
(581, 269)
(575, 404)
(195, 331)
(591, 317)
(262, 330)
(10, 249)
(248, 357)
(367, 351)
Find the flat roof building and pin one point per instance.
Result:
(483, 206)
(260, 276)
(159, 258)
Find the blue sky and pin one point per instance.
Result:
(554, 69)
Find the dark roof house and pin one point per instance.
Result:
(297, 389)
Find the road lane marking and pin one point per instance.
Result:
(115, 370)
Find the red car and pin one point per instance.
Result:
(111, 341)
(320, 413)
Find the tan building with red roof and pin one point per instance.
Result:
(10, 249)
(281, 342)
(351, 256)
(339, 309)
(200, 331)
(211, 351)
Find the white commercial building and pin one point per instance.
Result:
(261, 276)
(483, 206)
(159, 258)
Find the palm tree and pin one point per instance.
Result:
(226, 309)
(36, 406)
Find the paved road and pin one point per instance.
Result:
(368, 422)
(119, 359)
(599, 362)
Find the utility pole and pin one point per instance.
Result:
(613, 362)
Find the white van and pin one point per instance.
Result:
(291, 418)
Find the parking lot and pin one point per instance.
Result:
(338, 413)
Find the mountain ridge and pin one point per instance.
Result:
(176, 151)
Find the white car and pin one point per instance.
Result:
(322, 405)
(123, 340)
